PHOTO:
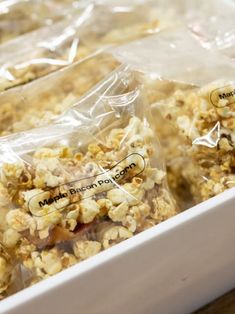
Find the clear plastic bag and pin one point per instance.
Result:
(199, 139)
(91, 180)
(51, 48)
(211, 21)
(18, 17)
(11, 280)
(205, 120)
(176, 55)
(38, 103)
(213, 24)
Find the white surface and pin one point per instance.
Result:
(175, 267)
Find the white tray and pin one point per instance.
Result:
(175, 267)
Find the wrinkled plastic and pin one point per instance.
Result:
(186, 82)
(213, 24)
(38, 103)
(51, 48)
(176, 55)
(204, 119)
(89, 181)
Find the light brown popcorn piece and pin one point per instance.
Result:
(5, 274)
(45, 263)
(71, 218)
(148, 223)
(89, 209)
(6, 271)
(12, 170)
(68, 260)
(105, 206)
(4, 196)
(51, 262)
(128, 192)
(153, 176)
(113, 235)
(24, 249)
(11, 238)
(164, 207)
(86, 249)
(20, 221)
(118, 213)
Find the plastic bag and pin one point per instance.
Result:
(176, 55)
(205, 120)
(86, 183)
(10, 272)
(97, 27)
(38, 103)
(187, 78)
(211, 21)
(213, 24)
(18, 17)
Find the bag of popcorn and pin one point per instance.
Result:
(37, 103)
(192, 89)
(93, 28)
(91, 180)
(205, 120)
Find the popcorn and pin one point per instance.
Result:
(24, 249)
(205, 120)
(88, 210)
(5, 274)
(98, 190)
(71, 219)
(4, 197)
(118, 213)
(51, 262)
(6, 271)
(85, 64)
(11, 238)
(139, 213)
(35, 61)
(19, 220)
(12, 170)
(113, 235)
(27, 111)
(86, 249)
(153, 176)
(117, 196)
(164, 207)
(47, 171)
(105, 206)
(44, 263)
(47, 221)
(68, 260)
(130, 223)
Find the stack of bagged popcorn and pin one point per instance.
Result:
(114, 116)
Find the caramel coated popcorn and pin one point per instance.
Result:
(69, 203)
(205, 120)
